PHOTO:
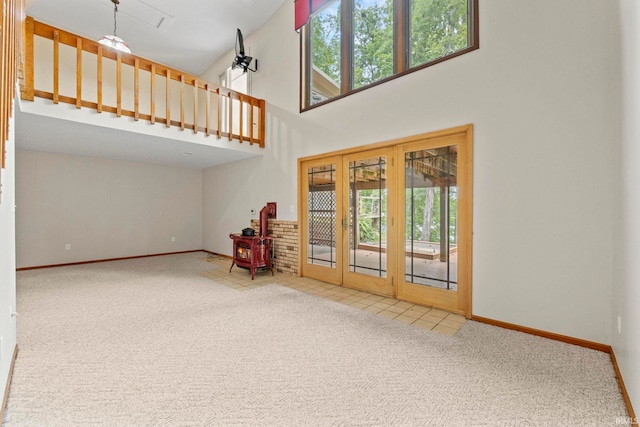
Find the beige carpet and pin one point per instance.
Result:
(151, 342)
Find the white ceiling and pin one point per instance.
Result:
(187, 35)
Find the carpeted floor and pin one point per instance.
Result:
(151, 342)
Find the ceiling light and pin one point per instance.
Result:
(112, 40)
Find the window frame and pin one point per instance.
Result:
(401, 54)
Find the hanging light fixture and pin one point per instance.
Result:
(112, 40)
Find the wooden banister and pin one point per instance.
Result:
(232, 120)
(11, 34)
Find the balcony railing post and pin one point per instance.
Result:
(181, 101)
(99, 99)
(56, 65)
(27, 47)
(168, 100)
(136, 90)
(231, 116)
(119, 85)
(251, 107)
(79, 73)
(152, 88)
(195, 106)
(262, 121)
(219, 113)
(207, 109)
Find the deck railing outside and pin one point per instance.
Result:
(64, 67)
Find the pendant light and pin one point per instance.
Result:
(112, 40)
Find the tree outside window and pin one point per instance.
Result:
(350, 45)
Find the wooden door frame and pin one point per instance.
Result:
(460, 301)
(465, 245)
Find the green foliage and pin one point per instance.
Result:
(372, 215)
(414, 222)
(368, 233)
(373, 42)
(437, 28)
(325, 41)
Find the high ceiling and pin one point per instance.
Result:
(188, 35)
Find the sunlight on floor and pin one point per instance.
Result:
(425, 317)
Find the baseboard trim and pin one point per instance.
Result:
(557, 337)
(575, 341)
(623, 390)
(107, 260)
(7, 386)
(220, 255)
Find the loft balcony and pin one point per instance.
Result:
(74, 86)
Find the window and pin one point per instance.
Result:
(237, 80)
(350, 45)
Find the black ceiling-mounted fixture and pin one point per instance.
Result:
(242, 61)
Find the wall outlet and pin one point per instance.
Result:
(291, 208)
(619, 325)
(67, 247)
(1, 345)
(173, 238)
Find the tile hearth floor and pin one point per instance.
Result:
(425, 317)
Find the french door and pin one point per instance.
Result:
(321, 211)
(367, 220)
(395, 220)
(435, 229)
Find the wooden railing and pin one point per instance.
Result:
(10, 37)
(64, 69)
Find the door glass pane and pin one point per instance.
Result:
(431, 200)
(322, 216)
(368, 216)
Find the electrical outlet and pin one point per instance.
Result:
(173, 238)
(1, 345)
(619, 325)
(67, 247)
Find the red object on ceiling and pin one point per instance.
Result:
(304, 9)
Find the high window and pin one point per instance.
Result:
(240, 81)
(351, 45)
(236, 79)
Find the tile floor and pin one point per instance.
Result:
(402, 311)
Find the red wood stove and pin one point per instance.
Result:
(253, 252)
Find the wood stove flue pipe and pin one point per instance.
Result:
(269, 211)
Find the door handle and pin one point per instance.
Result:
(344, 222)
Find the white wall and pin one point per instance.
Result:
(539, 93)
(7, 261)
(626, 278)
(103, 208)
